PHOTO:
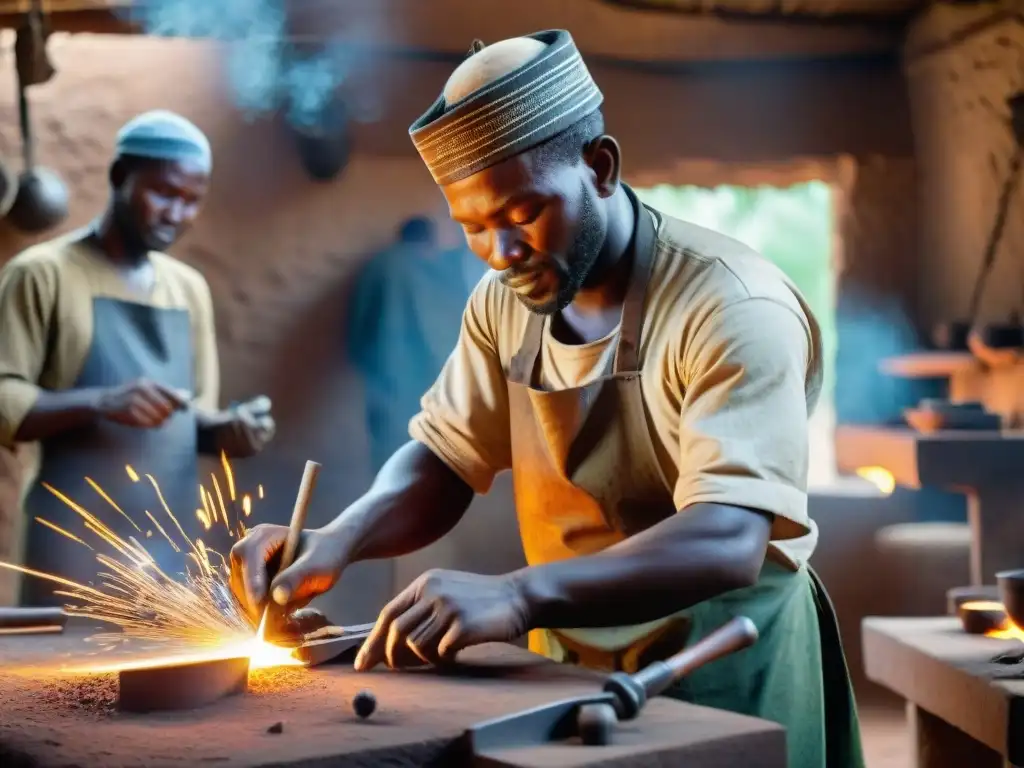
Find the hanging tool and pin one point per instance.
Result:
(592, 717)
(41, 201)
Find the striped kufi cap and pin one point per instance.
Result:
(511, 115)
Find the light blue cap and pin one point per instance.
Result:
(163, 135)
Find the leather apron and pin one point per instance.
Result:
(586, 476)
(129, 341)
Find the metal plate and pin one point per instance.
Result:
(181, 686)
(333, 647)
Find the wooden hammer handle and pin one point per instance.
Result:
(734, 636)
(298, 523)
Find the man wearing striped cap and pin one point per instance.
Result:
(648, 383)
(108, 358)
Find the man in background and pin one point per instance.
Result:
(403, 321)
(108, 359)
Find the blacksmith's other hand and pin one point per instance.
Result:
(443, 612)
(249, 430)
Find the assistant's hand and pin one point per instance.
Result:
(319, 561)
(443, 612)
(248, 429)
(141, 403)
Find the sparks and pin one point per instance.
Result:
(195, 618)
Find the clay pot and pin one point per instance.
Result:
(934, 415)
(924, 420)
(1011, 594)
(41, 202)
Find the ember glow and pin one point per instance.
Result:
(180, 621)
(1008, 631)
(880, 477)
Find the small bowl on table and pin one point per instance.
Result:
(979, 617)
(1011, 594)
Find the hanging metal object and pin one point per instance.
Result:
(41, 201)
(323, 145)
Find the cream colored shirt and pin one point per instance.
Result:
(731, 366)
(46, 295)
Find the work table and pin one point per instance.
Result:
(57, 720)
(962, 709)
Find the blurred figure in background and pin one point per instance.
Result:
(404, 316)
(108, 358)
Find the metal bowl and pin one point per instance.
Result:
(1011, 594)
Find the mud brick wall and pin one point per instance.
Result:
(961, 65)
(279, 250)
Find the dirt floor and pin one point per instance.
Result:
(886, 740)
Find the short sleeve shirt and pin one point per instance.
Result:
(731, 363)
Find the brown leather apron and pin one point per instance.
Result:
(584, 467)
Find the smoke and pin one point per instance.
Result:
(265, 70)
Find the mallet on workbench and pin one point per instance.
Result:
(593, 717)
(295, 528)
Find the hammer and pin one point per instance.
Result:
(593, 717)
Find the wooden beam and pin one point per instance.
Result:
(602, 30)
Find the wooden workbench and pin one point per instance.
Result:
(49, 719)
(959, 715)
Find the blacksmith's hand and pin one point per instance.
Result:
(443, 612)
(249, 429)
(320, 559)
(141, 403)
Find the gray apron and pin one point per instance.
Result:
(586, 476)
(130, 341)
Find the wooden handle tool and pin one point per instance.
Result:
(631, 692)
(295, 528)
